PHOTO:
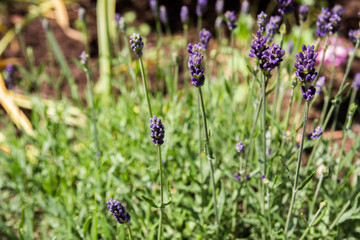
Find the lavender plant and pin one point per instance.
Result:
(120, 214)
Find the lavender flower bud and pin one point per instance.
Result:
(354, 35)
(315, 134)
(84, 57)
(356, 82)
(245, 7)
(230, 20)
(120, 23)
(163, 14)
(305, 64)
(184, 14)
(272, 27)
(9, 71)
(119, 211)
(237, 176)
(205, 36)
(194, 48)
(201, 7)
(261, 21)
(309, 93)
(290, 46)
(320, 82)
(153, 6)
(219, 7)
(240, 148)
(303, 13)
(285, 6)
(196, 69)
(157, 130)
(137, 44)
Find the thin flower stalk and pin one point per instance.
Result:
(145, 85)
(294, 189)
(322, 206)
(209, 155)
(323, 57)
(161, 194)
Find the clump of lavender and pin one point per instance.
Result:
(320, 82)
(137, 44)
(119, 211)
(285, 6)
(272, 27)
(205, 36)
(315, 134)
(245, 7)
(184, 14)
(9, 71)
(230, 20)
(201, 7)
(261, 22)
(240, 147)
(157, 130)
(356, 82)
(354, 35)
(219, 7)
(305, 65)
(303, 13)
(163, 14)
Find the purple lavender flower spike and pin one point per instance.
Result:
(248, 177)
(285, 6)
(320, 82)
(272, 27)
(309, 93)
(303, 13)
(98, 154)
(137, 44)
(219, 7)
(9, 71)
(198, 47)
(230, 20)
(119, 211)
(335, 19)
(263, 176)
(204, 36)
(258, 45)
(315, 134)
(356, 82)
(322, 22)
(120, 22)
(157, 130)
(271, 58)
(184, 14)
(245, 7)
(237, 176)
(163, 14)
(354, 35)
(290, 46)
(261, 22)
(305, 64)
(196, 69)
(153, 6)
(201, 7)
(240, 147)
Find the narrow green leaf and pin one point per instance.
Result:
(323, 207)
(306, 181)
(86, 225)
(150, 201)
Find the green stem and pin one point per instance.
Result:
(210, 157)
(185, 73)
(232, 56)
(199, 24)
(312, 221)
(289, 110)
(311, 208)
(161, 193)
(145, 85)
(297, 171)
(264, 121)
(93, 112)
(130, 233)
(200, 150)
